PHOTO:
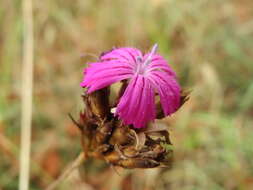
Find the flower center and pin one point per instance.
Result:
(142, 64)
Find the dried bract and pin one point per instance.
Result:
(105, 137)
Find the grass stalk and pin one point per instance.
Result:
(27, 89)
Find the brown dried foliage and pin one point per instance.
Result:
(105, 137)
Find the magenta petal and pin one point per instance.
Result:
(127, 104)
(159, 63)
(101, 74)
(96, 85)
(136, 106)
(111, 63)
(168, 89)
(126, 54)
(147, 106)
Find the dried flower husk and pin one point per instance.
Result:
(105, 137)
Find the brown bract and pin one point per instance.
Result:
(105, 137)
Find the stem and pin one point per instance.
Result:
(27, 88)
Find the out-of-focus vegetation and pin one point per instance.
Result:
(208, 42)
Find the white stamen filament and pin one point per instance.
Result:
(141, 65)
(148, 60)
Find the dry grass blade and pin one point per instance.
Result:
(27, 86)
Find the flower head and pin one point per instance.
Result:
(147, 75)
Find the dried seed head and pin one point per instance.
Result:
(118, 144)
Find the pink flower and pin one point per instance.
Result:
(148, 74)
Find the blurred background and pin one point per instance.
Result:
(208, 43)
